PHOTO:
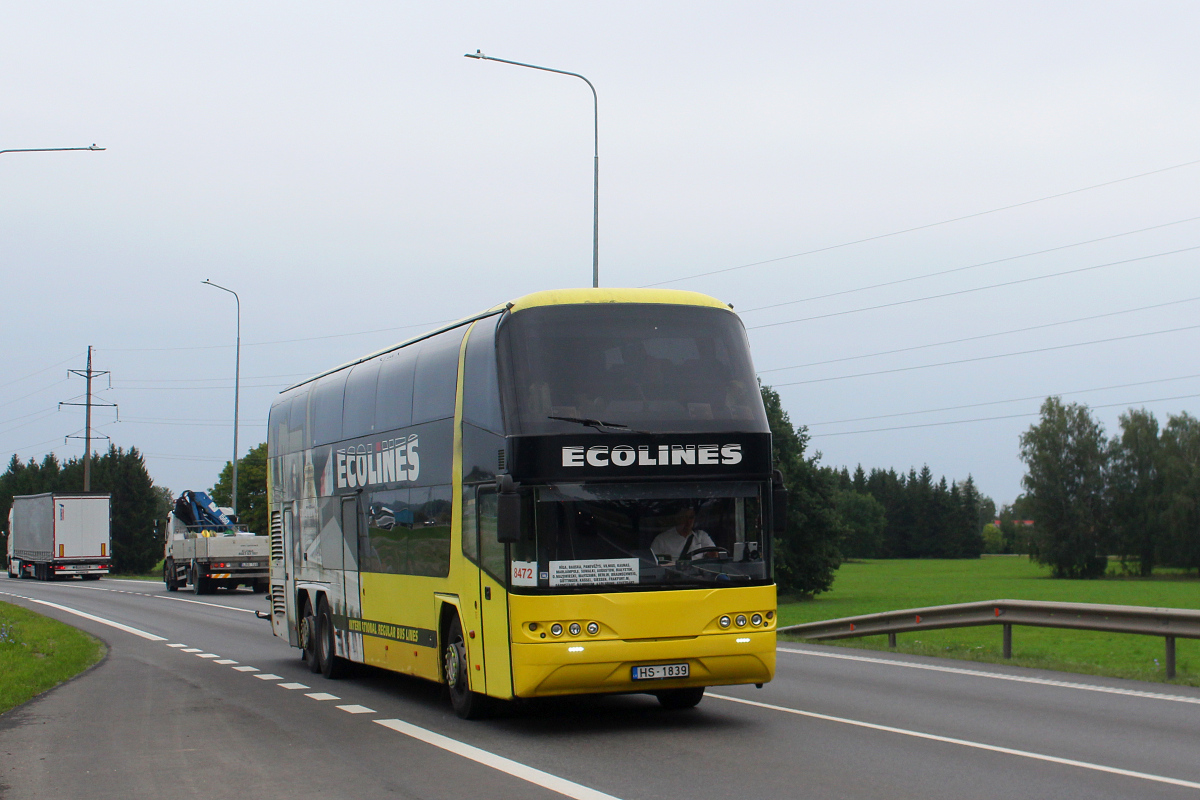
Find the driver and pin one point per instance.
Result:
(682, 538)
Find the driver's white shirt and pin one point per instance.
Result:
(670, 543)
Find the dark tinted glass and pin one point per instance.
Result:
(277, 423)
(297, 438)
(661, 368)
(393, 405)
(358, 414)
(429, 544)
(327, 398)
(481, 389)
(389, 525)
(436, 378)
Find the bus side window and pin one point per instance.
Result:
(358, 412)
(394, 395)
(436, 381)
(297, 435)
(327, 399)
(481, 387)
(491, 552)
(277, 426)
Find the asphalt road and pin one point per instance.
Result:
(197, 699)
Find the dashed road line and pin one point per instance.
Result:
(292, 686)
(268, 676)
(110, 623)
(1070, 762)
(225, 661)
(354, 709)
(1000, 676)
(506, 765)
(177, 645)
(207, 655)
(246, 669)
(322, 696)
(192, 650)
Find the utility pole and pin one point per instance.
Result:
(87, 374)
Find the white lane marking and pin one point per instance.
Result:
(322, 696)
(1070, 762)
(1000, 676)
(207, 655)
(246, 669)
(267, 676)
(293, 686)
(225, 661)
(200, 603)
(177, 645)
(515, 768)
(357, 709)
(93, 618)
(191, 650)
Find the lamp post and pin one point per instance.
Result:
(596, 164)
(50, 149)
(237, 375)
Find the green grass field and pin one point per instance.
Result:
(38, 653)
(872, 586)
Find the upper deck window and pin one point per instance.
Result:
(659, 368)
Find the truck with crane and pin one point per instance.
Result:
(207, 548)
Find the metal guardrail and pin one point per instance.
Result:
(1170, 623)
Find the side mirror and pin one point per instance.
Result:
(779, 500)
(508, 511)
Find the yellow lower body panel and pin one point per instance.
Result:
(552, 668)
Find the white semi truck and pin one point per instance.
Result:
(59, 535)
(208, 550)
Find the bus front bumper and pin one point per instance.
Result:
(606, 666)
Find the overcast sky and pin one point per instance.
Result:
(355, 180)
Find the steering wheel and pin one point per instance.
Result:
(718, 552)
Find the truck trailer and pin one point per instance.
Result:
(60, 535)
(207, 549)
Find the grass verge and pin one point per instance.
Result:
(869, 587)
(38, 653)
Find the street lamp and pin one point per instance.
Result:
(237, 375)
(596, 171)
(51, 149)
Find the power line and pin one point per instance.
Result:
(1002, 402)
(925, 226)
(39, 372)
(976, 289)
(31, 394)
(990, 419)
(989, 358)
(980, 336)
(121, 384)
(962, 269)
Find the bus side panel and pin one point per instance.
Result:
(400, 626)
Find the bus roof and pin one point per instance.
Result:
(549, 297)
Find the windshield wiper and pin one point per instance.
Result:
(598, 424)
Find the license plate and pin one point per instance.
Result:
(659, 671)
(249, 564)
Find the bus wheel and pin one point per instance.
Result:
(679, 699)
(308, 638)
(331, 664)
(456, 668)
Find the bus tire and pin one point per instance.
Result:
(307, 630)
(331, 664)
(679, 699)
(456, 670)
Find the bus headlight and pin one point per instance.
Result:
(574, 628)
(593, 629)
(756, 619)
(741, 620)
(556, 629)
(724, 621)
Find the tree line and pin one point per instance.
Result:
(1135, 496)
(135, 506)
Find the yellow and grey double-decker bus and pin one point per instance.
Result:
(570, 493)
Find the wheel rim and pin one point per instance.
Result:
(453, 665)
(304, 633)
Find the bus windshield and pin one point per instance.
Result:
(654, 368)
(648, 536)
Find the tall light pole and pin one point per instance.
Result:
(50, 149)
(237, 377)
(596, 165)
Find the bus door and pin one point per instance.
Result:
(493, 596)
(291, 549)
